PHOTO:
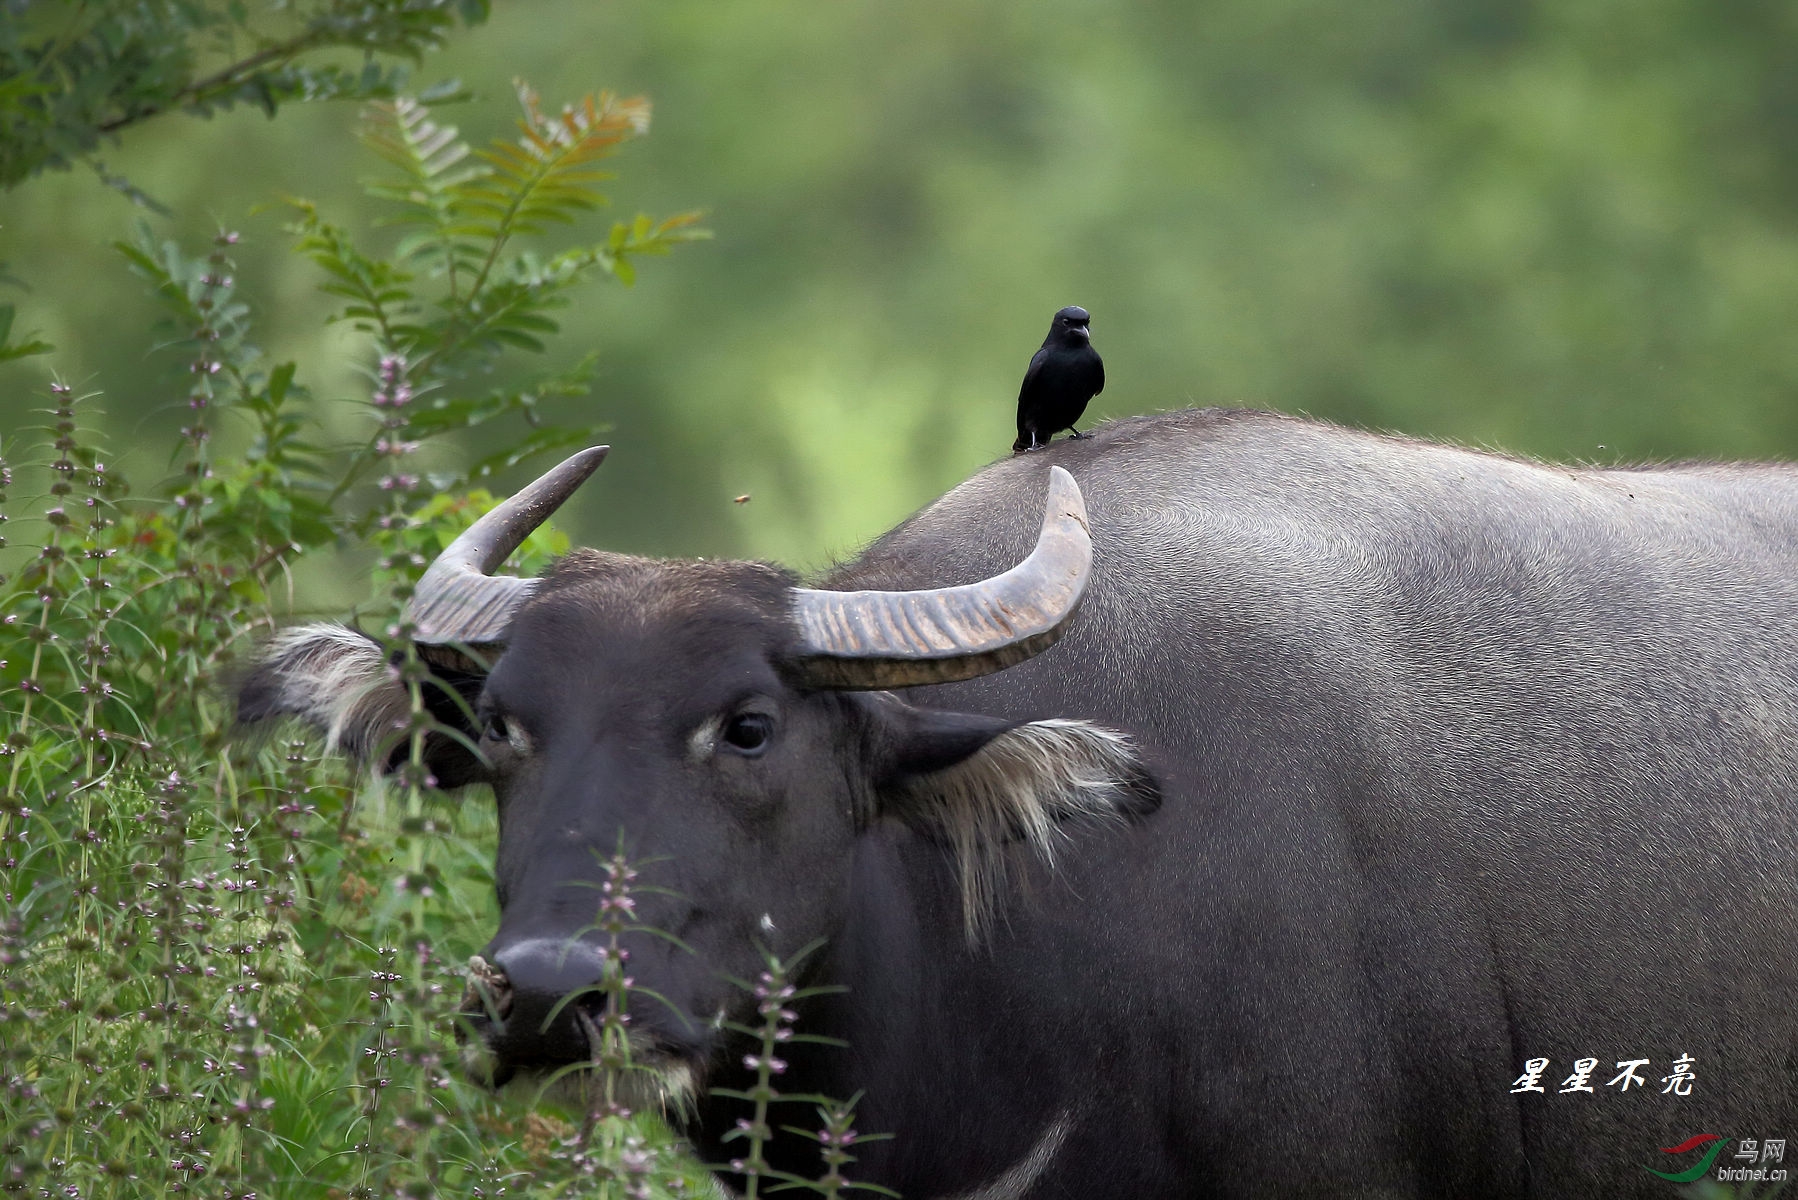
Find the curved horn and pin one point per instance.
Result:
(871, 640)
(457, 600)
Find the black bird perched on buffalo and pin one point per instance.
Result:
(1063, 376)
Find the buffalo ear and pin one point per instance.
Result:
(449, 695)
(923, 741)
(979, 783)
(331, 677)
(339, 681)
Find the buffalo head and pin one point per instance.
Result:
(719, 720)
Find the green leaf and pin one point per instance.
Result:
(13, 350)
(279, 380)
(538, 441)
(447, 91)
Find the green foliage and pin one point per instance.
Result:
(10, 349)
(75, 73)
(225, 968)
(456, 294)
(775, 993)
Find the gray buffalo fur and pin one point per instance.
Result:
(1463, 760)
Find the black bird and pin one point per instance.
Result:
(1063, 376)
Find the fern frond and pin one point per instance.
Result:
(549, 174)
(433, 162)
(402, 132)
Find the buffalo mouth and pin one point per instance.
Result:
(558, 1051)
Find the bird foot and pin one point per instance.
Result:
(1077, 435)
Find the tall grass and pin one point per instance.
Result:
(230, 969)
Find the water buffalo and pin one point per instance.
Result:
(1389, 819)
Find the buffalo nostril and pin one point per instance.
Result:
(547, 985)
(489, 992)
(591, 1033)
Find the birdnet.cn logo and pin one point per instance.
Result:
(1700, 1154)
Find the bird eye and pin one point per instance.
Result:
(749, 733)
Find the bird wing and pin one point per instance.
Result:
(1032, 372)
(1098, 376)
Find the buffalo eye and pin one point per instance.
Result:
(749, 733)
(498, 727)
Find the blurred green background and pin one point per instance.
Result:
(1567, 229)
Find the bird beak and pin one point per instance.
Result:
(1083, 331)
